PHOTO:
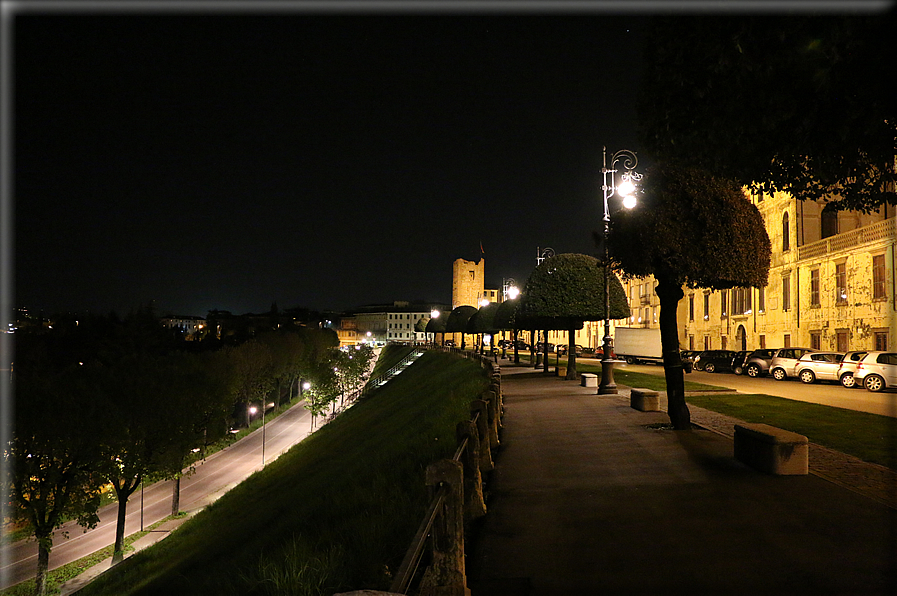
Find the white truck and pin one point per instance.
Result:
(638, 344)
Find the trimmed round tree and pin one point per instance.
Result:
(483, 322)
(457, 321)
(690, 229)
(505, 320)
(566, 290)
(436, 325)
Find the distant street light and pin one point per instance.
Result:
(625, 189)
(253, 410)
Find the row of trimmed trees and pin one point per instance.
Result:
(561, 294)
(113, 403)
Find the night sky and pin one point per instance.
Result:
(212, 161)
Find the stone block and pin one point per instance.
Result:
(772, 450)
(588, 379)
(644, 400)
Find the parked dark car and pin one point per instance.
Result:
(714, 360)
(540, 348)
(688, 355)
(739, 361)
(562, 349)
(757, 363)
(521, 345)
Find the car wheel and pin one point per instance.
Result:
(848, 381)
(874, 383)
(630, 360)
(709, 367)
(779, 374)
(738, 370)
(753, 371)
(807, 376)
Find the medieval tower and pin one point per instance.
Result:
(467, 282)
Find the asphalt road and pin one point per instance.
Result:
(214, 476)
(826, 393)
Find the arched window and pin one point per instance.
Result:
(786, 235)
(829, 222)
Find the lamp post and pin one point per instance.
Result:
(628, 161)
(253, 410)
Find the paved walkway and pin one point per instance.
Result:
(591, 497)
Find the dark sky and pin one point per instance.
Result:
(206, 160)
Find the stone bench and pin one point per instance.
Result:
(644, 400)
(771, 450)
(588, 379)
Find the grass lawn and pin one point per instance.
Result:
(870, 437)
(630, 378)
(335, 513)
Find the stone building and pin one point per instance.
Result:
(831, 286)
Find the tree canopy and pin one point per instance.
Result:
(693, 229)
(569, 288)
(566, 290)
(799, 104)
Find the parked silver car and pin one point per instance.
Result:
(785, 360)
(877, 371)
(818, 366)
(848, 367)
(757, 363)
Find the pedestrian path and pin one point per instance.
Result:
(589, 496)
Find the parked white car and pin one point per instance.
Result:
(849, 366)
(785, 360)
(877, 371)
(818, 366)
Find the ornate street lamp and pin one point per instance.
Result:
(625, 189)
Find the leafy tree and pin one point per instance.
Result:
(53, 456)
(690, 229)
(251, 363)
(149, 419)
(197, 391)
(566, 290)
(457, 321)
(797, 103)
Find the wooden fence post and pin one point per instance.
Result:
(479, 406)
(474, 504)
(447, 572)
(492, 406)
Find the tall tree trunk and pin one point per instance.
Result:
(176, 496)
(124, 488)
(516, 353)
(534, 349)
(571, 356)
(43, 563)
(670, 294)
(545, 350)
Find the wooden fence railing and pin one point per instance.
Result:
(456, 498)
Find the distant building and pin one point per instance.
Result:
(190, 326)
(389, 323)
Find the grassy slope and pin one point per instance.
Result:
(347, 499)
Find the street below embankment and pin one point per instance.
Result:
(213, 477)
